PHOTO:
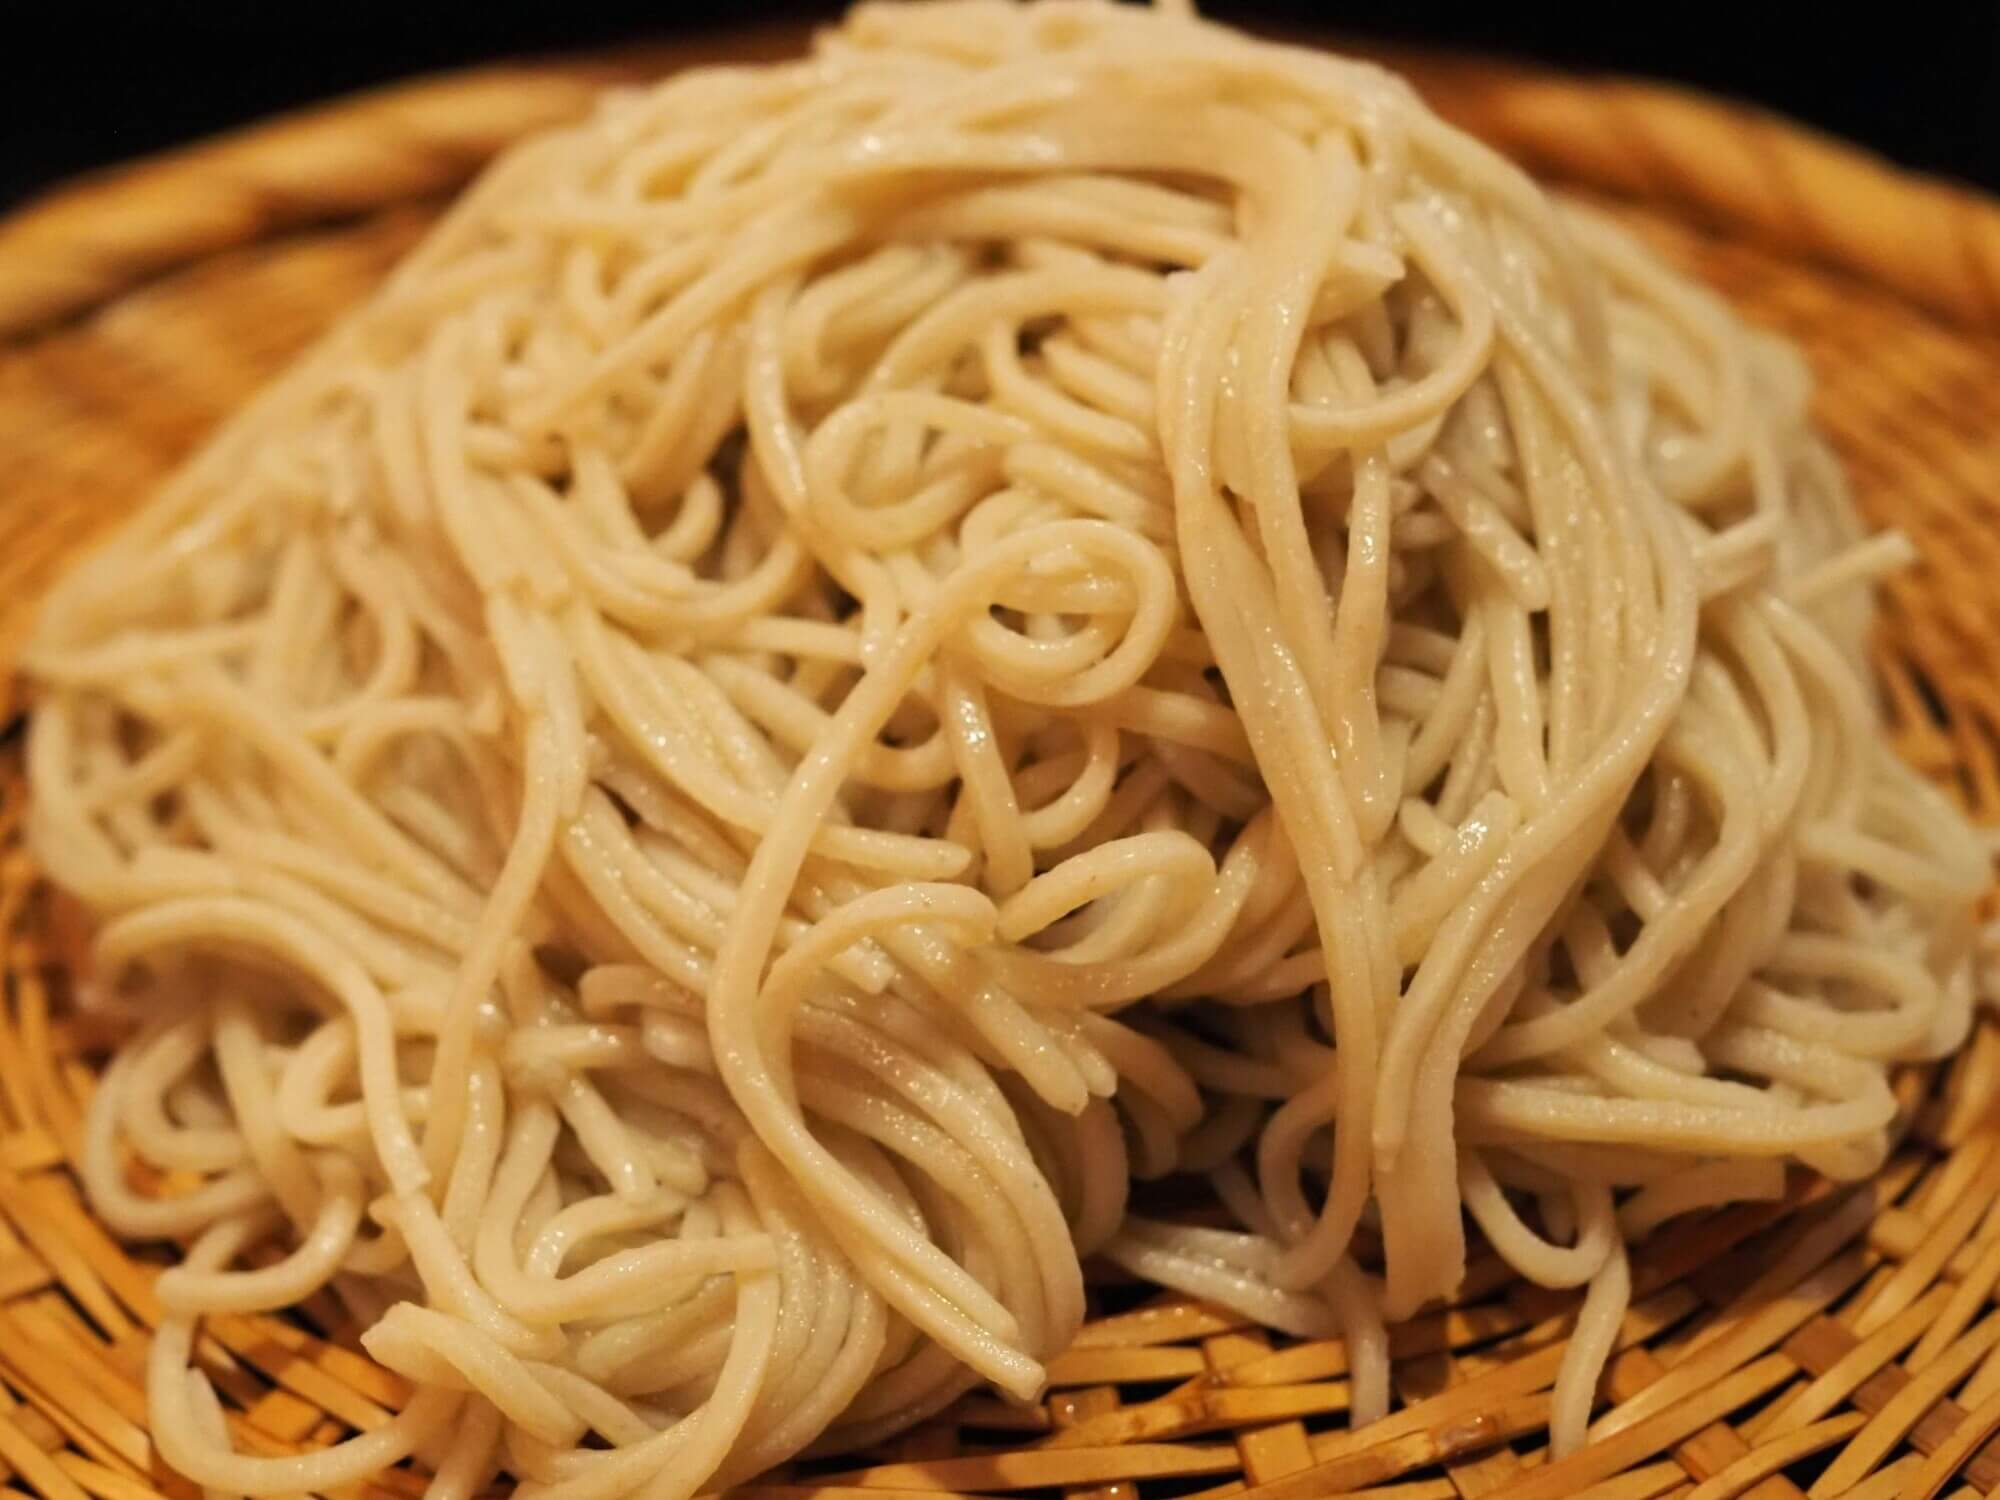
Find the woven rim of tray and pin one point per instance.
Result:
(1816, 1343)
(1743, 171)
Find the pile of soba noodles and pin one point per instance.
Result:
(854, 656)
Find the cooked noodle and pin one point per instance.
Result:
(855, 655)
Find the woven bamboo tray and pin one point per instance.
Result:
(1838, 1343)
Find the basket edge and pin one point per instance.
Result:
(1738, 169)
(83, 243)
(1935, 243)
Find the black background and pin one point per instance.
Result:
(96, 81)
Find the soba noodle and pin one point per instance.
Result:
(853, 656)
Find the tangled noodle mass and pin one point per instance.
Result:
(855, 655)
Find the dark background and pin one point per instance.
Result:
(105, 80)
